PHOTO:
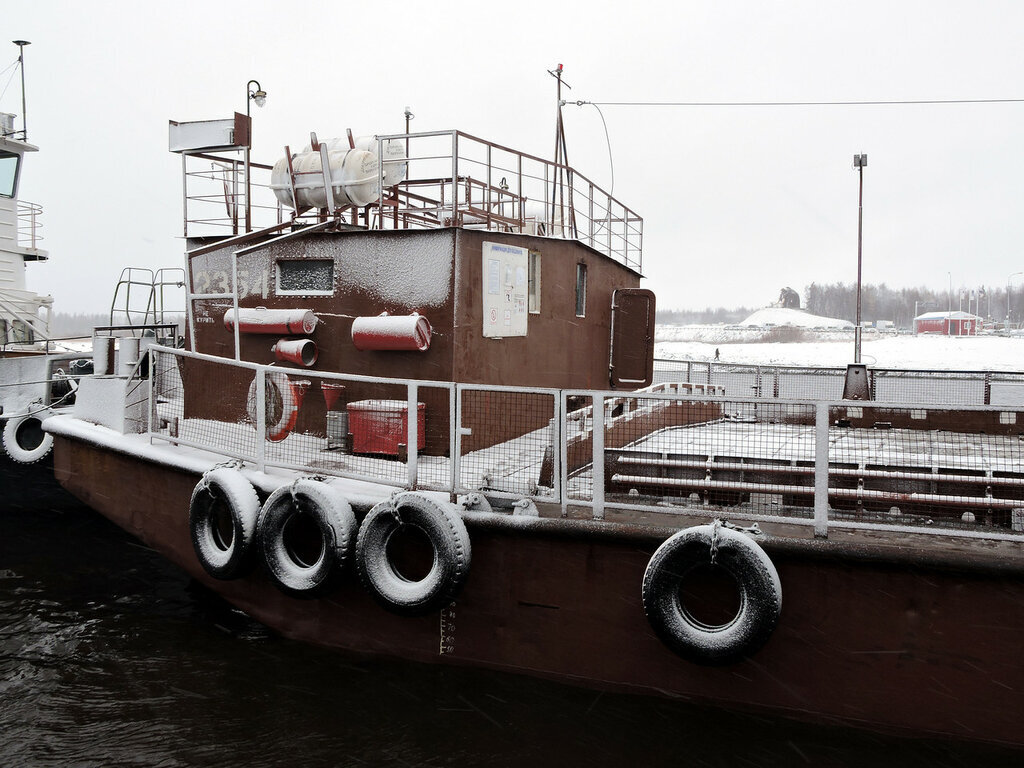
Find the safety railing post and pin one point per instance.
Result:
(412, 444)
(597, 430)
(560, 454)
(154, 361)
(821, 470)
(261, 418)
(453, 438)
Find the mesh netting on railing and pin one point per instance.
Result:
(885, 384)
(672, 447)
(507, 442)
(939, 467)
(324, 424)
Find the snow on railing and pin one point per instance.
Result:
(951, 469)
(451, 179)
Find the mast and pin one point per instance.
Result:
(21, 64)
(561, 161)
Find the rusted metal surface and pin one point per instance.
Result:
(866, 641)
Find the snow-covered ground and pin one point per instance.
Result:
(794, 317)
(835, 349)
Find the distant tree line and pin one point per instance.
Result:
(66, 325)
(880, 302)
(708, 316)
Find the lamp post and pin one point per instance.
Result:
(1008, 279)
(859, 161)
(260, 97)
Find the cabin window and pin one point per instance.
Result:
(22, 333)
(8, 173)
(581, 290)
(534, 279)
(308, 277)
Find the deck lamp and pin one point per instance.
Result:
(259, 95)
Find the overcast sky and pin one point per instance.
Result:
(737, 201)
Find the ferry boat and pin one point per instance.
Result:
(39, 374)
(414, 417)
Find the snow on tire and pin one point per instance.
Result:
(222, 521)
(307, 533)
(760, 593)
(446, 533)
(24, 439)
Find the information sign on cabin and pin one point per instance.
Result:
(505, 287)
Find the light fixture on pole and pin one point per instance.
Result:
(856, 386)
(258, 95)
(859, 161)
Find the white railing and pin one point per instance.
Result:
(452, 180)
(954, 469)
(29, 224)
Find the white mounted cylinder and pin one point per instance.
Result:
(103, 355)
(299, 351)
(353, 175)
(275, 321)
(393, 154)
(127, 355)
(399, 333)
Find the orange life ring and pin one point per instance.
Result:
(282, 397)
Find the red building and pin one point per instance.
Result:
(947, 323)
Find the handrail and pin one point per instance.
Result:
(828, 473)
(494, 176)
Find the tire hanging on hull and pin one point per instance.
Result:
(760, 593)
(24, 439)
(446, 533)
(222, 519)
(307, 534)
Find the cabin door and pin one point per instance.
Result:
(632, 355)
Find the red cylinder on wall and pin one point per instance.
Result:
(400, 333)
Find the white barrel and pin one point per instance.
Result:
(127, 355)
(353, 174)
(103, 355)
(392, 152)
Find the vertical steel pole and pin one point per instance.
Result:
(597, 431)
(412, 430)
(860, 231)
(821, 470)
(261, 416)
(24, 110)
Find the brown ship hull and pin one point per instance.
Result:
(872, 635)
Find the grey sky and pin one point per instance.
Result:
(737, 202)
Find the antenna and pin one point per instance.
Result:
(21, 63)
(561, 158)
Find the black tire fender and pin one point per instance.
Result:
(760, 593)
(444, 529)
(24, 439)
(280, 530)
(222, 519)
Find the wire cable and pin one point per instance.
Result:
(798, 103)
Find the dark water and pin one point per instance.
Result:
(108, 656)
